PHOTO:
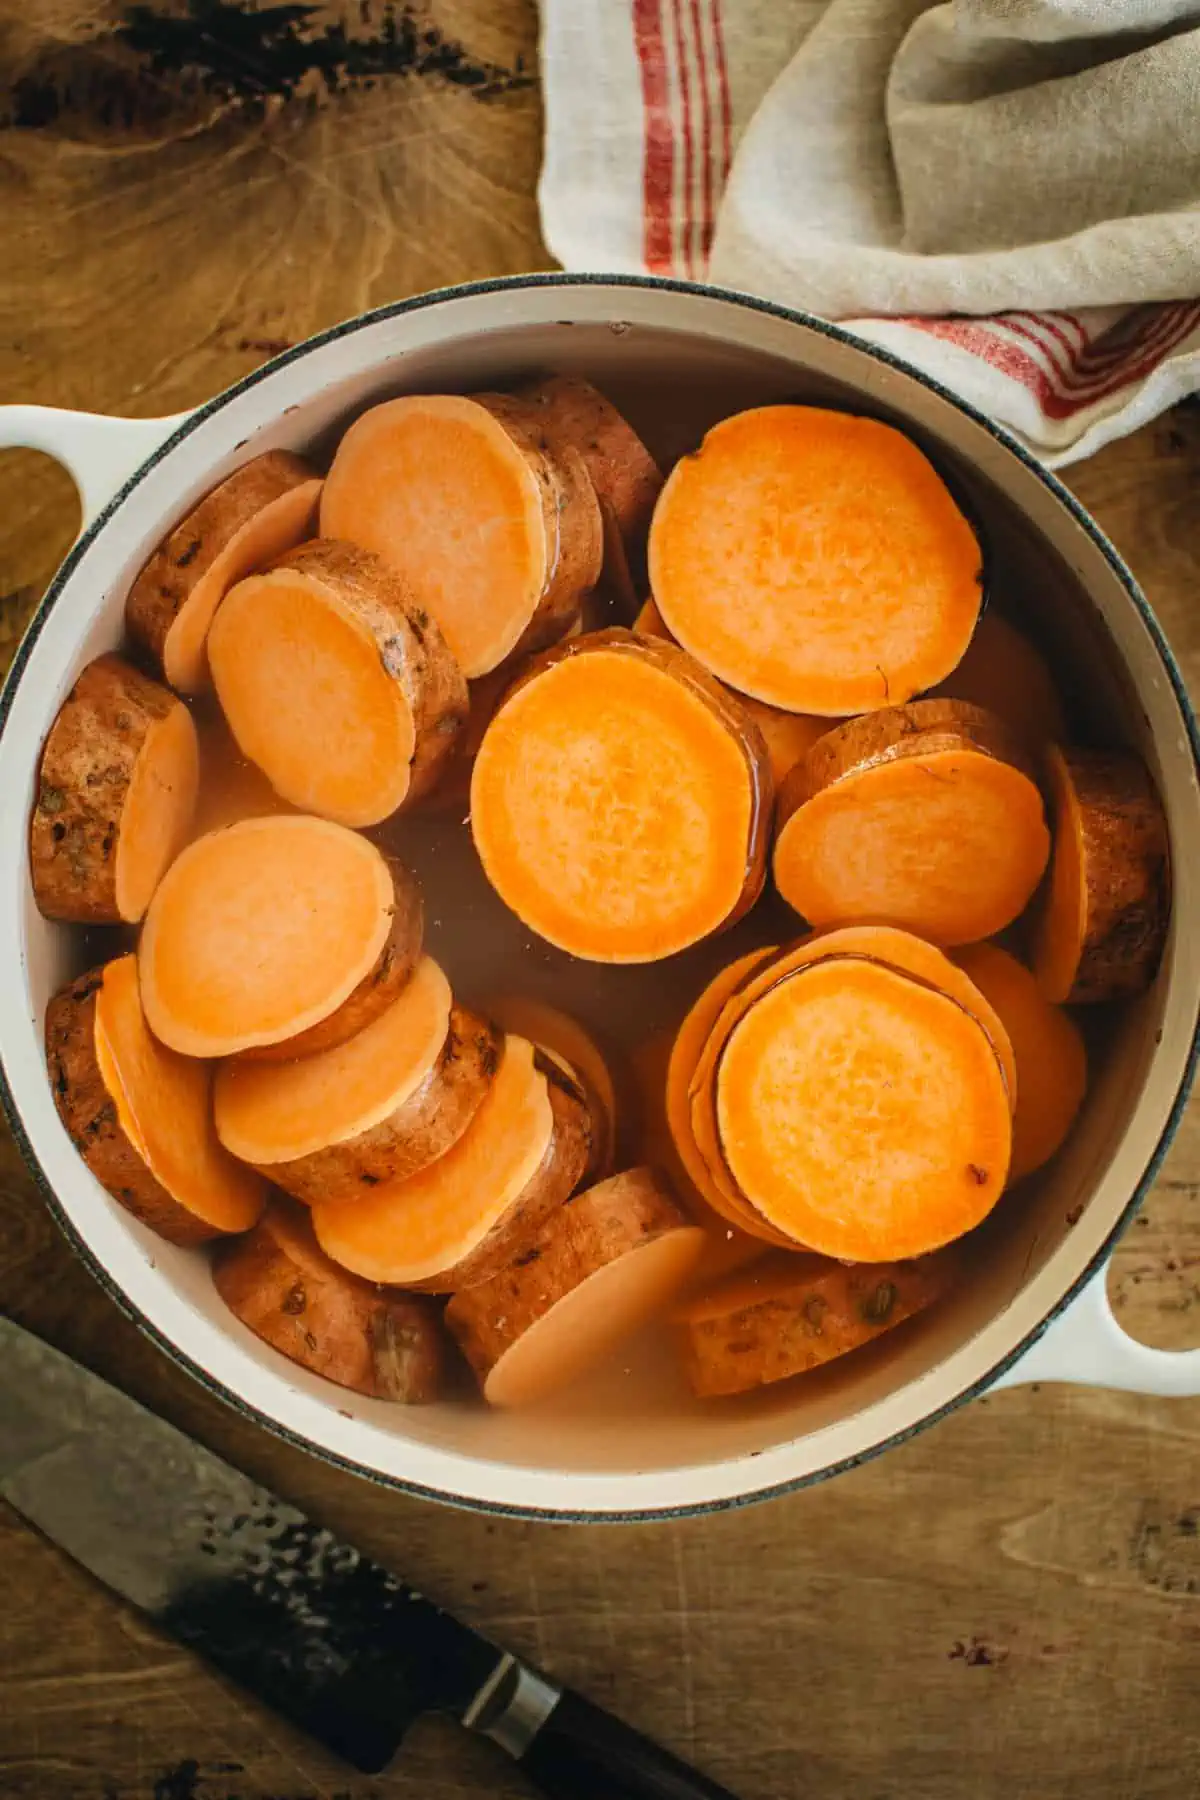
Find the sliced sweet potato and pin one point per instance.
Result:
(378, 988)
(283, 1288)
(887, 944)
(1103, 918)
(376, 1109)
(685, 1056)
(620, 800)
(928, 816)
(787, 735)
(496, 538)
(789, 1314)
(463, 1218)
(262, 930)
(1049, 1052)
(577, 1053)
(337, 684)
(573, 415)
(815, 560)
(862, 1112)
(1004, 673)
(141, 1116)
(115, 795)
(606, 1262)
(258, 513)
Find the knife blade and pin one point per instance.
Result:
(332, 1641)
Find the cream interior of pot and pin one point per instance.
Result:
(672, 382)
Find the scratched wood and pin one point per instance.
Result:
(1009, 1605)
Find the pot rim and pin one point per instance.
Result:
(1093, 1264)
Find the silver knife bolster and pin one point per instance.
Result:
(512, 1705)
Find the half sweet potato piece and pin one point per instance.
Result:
(140, 1115)
(495, 537)
(815, 560)
(1103, 919)
(928, 816)
(606, 1262)
(620, 800)
(337, 684)
(116, 791)
(283, 1288)
(790, 1314)
(256, 514)
(463, 1218)
(1048, 1049)
(570, 414)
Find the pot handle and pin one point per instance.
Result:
(1086, 1344)
(100, 453)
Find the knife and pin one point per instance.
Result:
(332, 1641)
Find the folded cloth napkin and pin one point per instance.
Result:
(1005, 193)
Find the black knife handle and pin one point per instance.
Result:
(581, 1752)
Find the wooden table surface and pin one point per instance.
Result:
(1007, 1608)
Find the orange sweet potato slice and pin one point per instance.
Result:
(496, 538)
(862, 1111)
(379, 987)
(1048, 1049)
(573, 415)
(788, 736)
(262, 930)
(790, 1314)
(283, 1288)
(256, 514)
(1103, 921)
(115, 796)
(604, 1264)
(463, 1218)
(140, 1115)
(336, 684)
(375, 1109)
(577, 1053)
(1006, 675)
(685, 1056)
(620, 800)
(816, 561)
(928, 816)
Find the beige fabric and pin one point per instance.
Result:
(895, 161)
(974, 156)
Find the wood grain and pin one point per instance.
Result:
(1007, 1606)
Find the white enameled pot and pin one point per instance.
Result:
(675, 357)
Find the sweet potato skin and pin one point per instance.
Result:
(411, 649)
(86, 768)
(415, 1134)
(562, 1168)
(572, 414)
(1126, 873)
(170, 577)
(570, 516)
(592, 1229)
(790, 1314)
(89, 1114)
(281, 1285)
(375, 992)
